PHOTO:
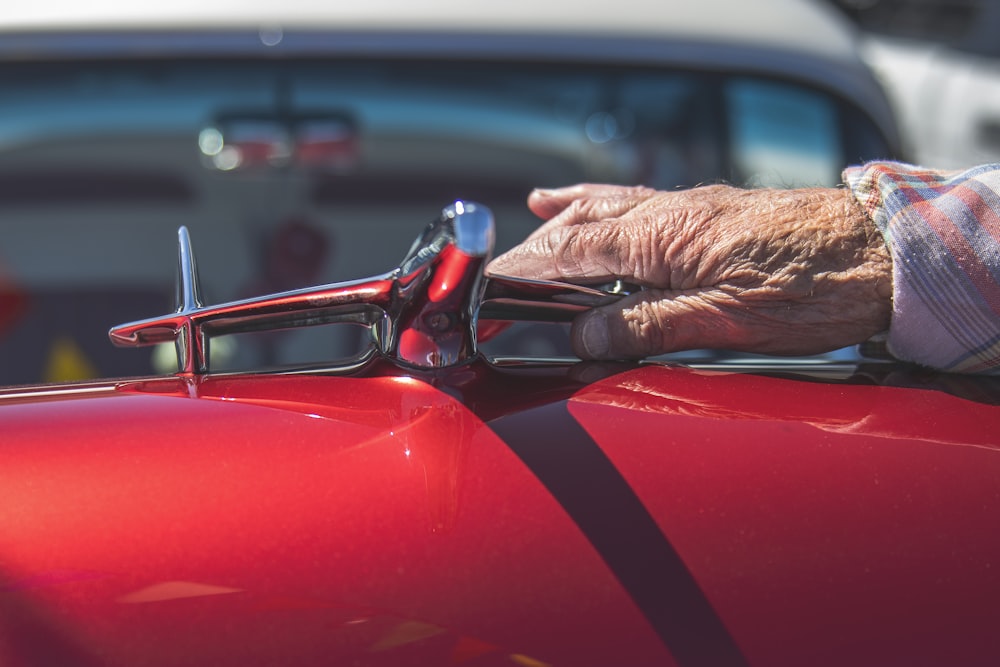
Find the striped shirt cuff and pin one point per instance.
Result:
(943, 233)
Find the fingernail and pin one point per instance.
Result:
(542, 192)
(594, 336)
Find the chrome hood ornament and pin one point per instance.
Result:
(424, 313)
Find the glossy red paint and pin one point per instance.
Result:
(290, 520)
(381, 520)
(828, 524)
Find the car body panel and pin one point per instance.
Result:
(408, 518)
(828, 524)
(267, 525)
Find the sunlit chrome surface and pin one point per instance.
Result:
(526, 299)
(421, 313)
(424, 313)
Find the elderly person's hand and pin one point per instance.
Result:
(772, 271)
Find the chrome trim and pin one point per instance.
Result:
(423, 313)
(526, 299)
(42, 392)
(474, 229)
(191, 343)
(188, 284)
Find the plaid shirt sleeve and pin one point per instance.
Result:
(943, 233)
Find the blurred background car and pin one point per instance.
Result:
(939, 61)
(300, 143)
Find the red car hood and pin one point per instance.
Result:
(482, 517)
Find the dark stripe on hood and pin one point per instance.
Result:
(575, 470)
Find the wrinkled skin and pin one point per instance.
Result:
(772, 271)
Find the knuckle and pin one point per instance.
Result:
(647, 331)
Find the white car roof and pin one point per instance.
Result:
(805, 25)
(800, 39)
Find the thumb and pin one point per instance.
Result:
(649, 323)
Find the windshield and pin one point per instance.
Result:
(290, 173)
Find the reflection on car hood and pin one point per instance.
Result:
(504, 511)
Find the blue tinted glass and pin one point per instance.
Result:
(783, 135)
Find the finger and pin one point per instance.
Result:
(584, 203)
(584, 253)
(547, 204)
(587, 211)
(656, 322)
